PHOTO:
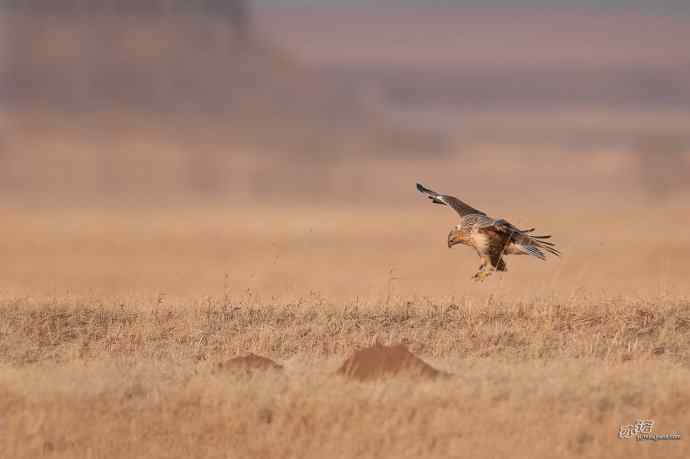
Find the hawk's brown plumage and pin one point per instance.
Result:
(492, 239)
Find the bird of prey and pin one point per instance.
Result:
(491, 238)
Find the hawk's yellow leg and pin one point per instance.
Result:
(482, 274)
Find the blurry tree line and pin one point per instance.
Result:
(165, 96)
(181, 58)
(238, 10)
(99, 54)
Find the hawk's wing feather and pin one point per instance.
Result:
(451, 201)
(522, 241)
(530, 250)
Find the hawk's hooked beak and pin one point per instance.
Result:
(451, 239)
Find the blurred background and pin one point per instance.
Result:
(271, 147)
(179, 102)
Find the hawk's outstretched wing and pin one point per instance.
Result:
(450, 201)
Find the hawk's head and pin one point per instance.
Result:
(454, 237)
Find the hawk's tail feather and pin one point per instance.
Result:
(540, 240)
(540, 244)
(536, 248)
(551, 249)
(532, 250)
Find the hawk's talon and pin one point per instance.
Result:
(481, 276)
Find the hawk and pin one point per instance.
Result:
(492, 239)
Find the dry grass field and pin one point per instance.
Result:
(114, 325)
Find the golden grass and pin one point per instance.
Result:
(113, 323)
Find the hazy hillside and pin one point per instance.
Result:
(121, 96)
(169, 101)
(516, 75)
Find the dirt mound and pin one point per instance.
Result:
(379, 361)
(250, 363)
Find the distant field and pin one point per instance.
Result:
(113, 325)
(343, 254)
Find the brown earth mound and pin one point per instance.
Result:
(250, 363)
(379, 361)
